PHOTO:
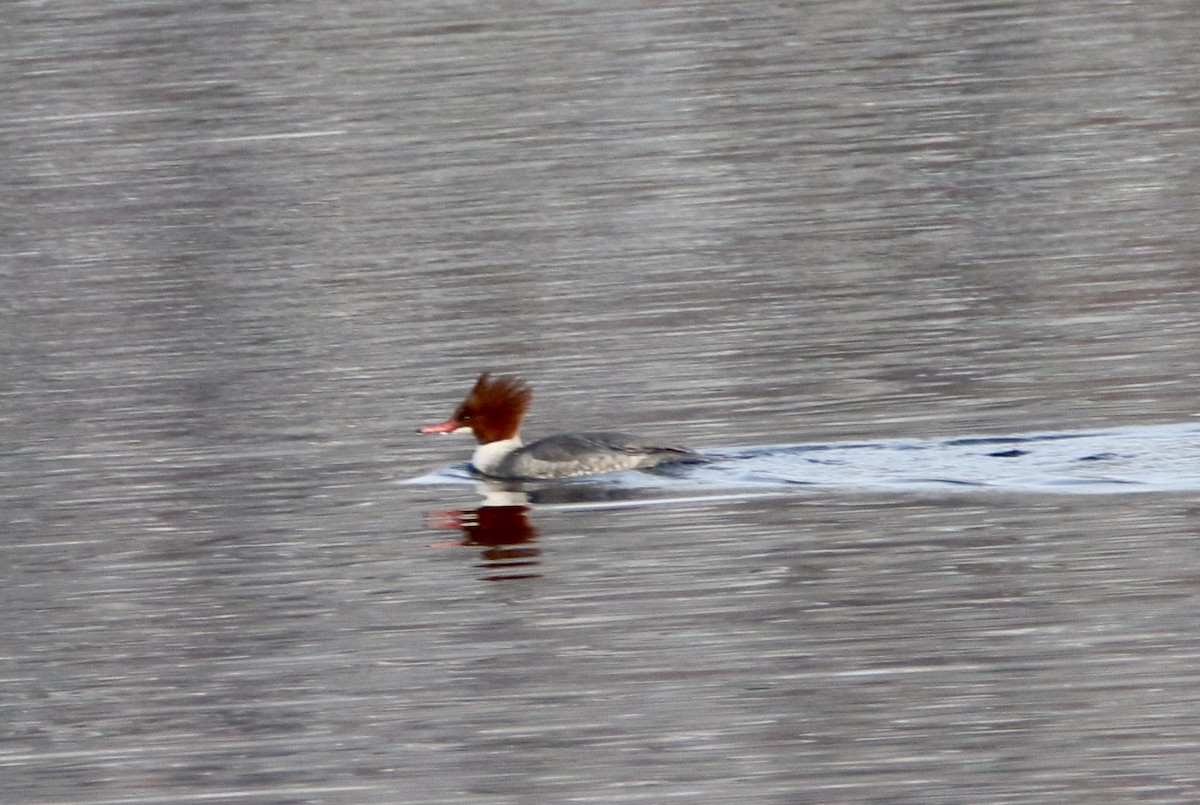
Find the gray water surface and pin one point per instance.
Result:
(246, 249)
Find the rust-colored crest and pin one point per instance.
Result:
(495, 407)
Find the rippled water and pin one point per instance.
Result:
(247, 248)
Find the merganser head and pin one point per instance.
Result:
(492, 411)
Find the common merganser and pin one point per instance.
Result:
(493, 412)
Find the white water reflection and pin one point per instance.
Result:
(1147, 459)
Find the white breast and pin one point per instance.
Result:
(487, 458)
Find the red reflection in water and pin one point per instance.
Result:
(498, 530)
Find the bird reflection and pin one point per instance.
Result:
(502, 529)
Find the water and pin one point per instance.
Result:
(247, 249)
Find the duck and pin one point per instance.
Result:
(493, 412)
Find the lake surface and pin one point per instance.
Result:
(248, 248)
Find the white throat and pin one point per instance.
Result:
(487, 458)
